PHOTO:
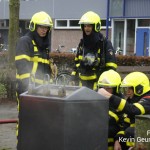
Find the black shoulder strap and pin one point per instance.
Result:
(81, 43)
(103, 51)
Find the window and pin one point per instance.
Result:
(116, 8)
(61, 23)
(29, 0)
(66, 24)
(1, 23)
(4, 23)
(73, 24)
(144, 22)
(130, 40)
(27, 24)
(103, 24)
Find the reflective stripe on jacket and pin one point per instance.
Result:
(30, 60)
(105, 59)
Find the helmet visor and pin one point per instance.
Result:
(109, 89)
(127, 91)
(106, 86)
(44, 25)
(85, 22)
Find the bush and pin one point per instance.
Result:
(7, 78)
(64, 61)
(133, 60)
(2, 90)
(68, 58)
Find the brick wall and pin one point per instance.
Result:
(68, 38)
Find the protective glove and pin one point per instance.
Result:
(89, 59)
(96, 62)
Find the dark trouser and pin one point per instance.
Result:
(91, 84)
(112, 131)
(129, 134)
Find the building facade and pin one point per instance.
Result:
(130, 22)
(125, 22)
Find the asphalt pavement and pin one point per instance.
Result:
(8, 113)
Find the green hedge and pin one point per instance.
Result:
(7, 78)
(64, 61)
(133, 60)
(68, 58)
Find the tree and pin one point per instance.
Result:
(13, 35)
(14, 7)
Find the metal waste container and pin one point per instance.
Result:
(77, 120)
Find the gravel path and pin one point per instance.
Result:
(8, 141)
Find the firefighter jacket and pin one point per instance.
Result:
(130, 108)
(102, 58)
(32, 57)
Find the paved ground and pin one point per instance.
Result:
(8, 110)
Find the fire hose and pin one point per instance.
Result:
(6, 121)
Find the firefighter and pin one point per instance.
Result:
(110, 80)
(95, 53)
(32, 52)
(137, 89)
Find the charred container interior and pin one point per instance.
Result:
(56, 117)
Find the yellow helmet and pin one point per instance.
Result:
(40, 18)
(110, 78)
(91, 17)
(139, 81)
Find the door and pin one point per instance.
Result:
(118, 35)
(142, 42)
